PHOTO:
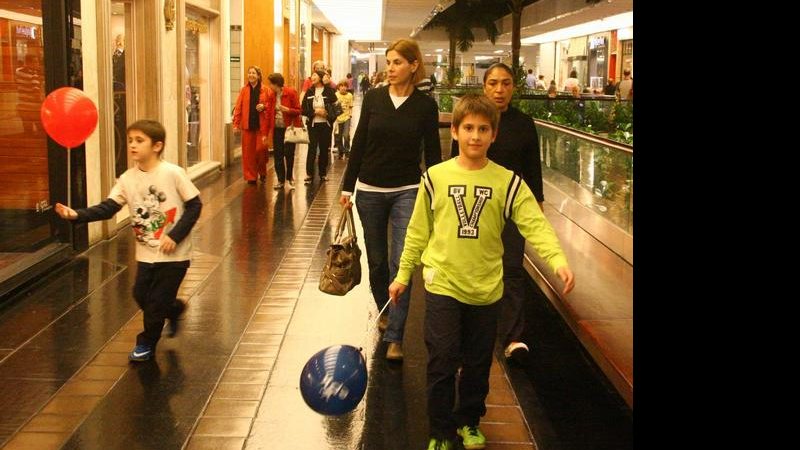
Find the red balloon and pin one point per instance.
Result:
(68, 116)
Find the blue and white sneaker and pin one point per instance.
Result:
(141, 352)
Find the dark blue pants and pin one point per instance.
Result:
(319, 135)
(284, 151)
(512, 316)
(457, 334)
(155, 289)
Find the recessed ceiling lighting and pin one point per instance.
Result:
(365, 25)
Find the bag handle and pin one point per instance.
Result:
(346, 221)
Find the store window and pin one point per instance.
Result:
(31, 174)
(598, 64)
(627, 55)
(24, 177)
(572, 55)
(196, 91)
(122, 80)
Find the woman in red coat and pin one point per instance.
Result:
(253, 115)
(287, 113)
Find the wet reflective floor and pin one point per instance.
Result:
(230, 379)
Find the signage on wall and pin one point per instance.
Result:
(315, 34)
(26, 31)
(235, 59)
(597, 41)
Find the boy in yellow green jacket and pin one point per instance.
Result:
(455, 232)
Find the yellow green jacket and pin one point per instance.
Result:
(455, 230)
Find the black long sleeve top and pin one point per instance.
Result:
(517, 149)
(386, 146)
(107, 208)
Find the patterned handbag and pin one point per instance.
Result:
(342, 271)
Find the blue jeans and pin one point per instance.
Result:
(378, 210)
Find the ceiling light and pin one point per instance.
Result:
(364, 25)
(623, 20)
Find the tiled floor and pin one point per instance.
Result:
(230, 379)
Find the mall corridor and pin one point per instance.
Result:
(230, 378)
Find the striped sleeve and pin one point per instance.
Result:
(426, 182)
(513, 189)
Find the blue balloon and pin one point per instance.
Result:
(334, 380)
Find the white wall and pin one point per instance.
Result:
(547, 62)
(236, 11)
(340, 57)
(169, 81)
(91, 86)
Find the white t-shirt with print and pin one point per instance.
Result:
(155, 200)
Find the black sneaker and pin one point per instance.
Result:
(174, 321)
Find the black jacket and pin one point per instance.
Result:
(307, 104)
(388, 143)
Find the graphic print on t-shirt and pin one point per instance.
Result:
(148, 220)
(468, 224)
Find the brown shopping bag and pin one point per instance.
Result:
(342, 271)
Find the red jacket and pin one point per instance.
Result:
(291, 100)
(241, 112)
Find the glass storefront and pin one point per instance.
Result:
(627, 55)
(572, 55)
(24, 178)
(31, 173)
(598, 63)
(197, 89)
(121, 64)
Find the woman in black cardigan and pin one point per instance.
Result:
(318, 107)
(396, 120)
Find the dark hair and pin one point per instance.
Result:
(152, 129)
(276, 79)
(409, 50)
(497, 66)
(530, 71)
(321, 74)
(478, 104)
(573, 73)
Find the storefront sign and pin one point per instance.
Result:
(597, 41)
(28, 32)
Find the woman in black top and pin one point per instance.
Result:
(317, 106)
(384, 166)
(516, 148)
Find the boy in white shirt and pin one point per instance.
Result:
(164, 206)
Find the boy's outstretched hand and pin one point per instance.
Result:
(395, 290)
(567, 277)
(65, 212)
(167, 245)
